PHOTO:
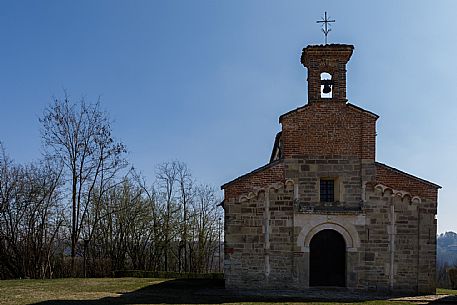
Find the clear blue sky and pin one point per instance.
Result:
(205, 81)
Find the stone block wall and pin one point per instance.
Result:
(259, 239)
(400, 242)
(390, 234)
(349, 173)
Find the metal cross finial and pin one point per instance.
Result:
(326, 27)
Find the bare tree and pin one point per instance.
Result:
(167, 175)
(205, 228)
(79, 135)
(151, 198)
(185, 181)
(30, 218)
(77, 194)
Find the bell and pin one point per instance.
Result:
(327, 83)
(327, 89)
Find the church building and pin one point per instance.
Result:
(323, 212)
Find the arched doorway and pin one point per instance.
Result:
(327, 259)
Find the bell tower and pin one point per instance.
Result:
(326, 66)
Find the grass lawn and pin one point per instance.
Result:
(33, 291)
(143, 291)
(446, 291)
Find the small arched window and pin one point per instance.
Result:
(326, 85)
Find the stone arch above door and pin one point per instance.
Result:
(330, 226)
(345, 225)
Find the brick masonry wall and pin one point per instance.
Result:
(329, 128)
(402, 181)
(260, 178)
(331, 59)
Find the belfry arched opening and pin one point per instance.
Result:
(327, 260)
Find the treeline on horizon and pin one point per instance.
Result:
(83, 210)
(446, 258)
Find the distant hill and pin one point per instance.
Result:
(446, 249)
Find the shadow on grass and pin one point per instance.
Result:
(204, 291)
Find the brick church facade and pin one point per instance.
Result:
(323, 211)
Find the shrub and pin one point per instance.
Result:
(164, 274)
